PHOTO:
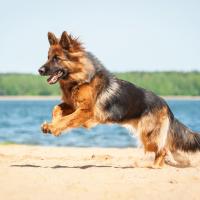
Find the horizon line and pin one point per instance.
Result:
(128, 71)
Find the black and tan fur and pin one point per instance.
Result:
(92, 95)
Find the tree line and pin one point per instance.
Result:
(162, 83)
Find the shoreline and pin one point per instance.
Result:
(29, 98)
(45, 98)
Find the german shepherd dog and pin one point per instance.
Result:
(91, 95)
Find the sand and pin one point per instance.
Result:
(35, 172)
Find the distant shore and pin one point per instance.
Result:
(7, 98)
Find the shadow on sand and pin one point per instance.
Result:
(71, 167)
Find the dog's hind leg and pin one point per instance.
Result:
(154, 129)
(161, 143)
(159, 158)
(177, 159)
(169, 159)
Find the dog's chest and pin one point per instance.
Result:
(67, 95)
(82, 97)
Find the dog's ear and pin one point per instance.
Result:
(65, 41)
(52, 38)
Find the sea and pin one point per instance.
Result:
(20, 122)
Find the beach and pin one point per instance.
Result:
(38, 172)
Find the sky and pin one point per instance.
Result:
(126, 35)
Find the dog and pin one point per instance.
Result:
(92, 95)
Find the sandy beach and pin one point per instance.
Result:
(36, 172)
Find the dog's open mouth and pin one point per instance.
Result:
(55, 77)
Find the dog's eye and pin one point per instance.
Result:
(55, 58)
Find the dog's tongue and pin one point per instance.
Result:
(54, 78)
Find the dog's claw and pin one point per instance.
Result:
(45, 128)
(49, 128)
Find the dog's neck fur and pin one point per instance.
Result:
(99, 68)
(94, 69)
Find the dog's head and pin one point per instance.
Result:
(65, 59)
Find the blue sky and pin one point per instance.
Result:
(126, 35)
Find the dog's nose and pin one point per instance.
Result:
(41, 70)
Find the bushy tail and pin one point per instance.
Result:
(182, 138)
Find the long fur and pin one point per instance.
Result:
(119, 93)
(92, 95)
(183, 138)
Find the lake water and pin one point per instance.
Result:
(20, 123)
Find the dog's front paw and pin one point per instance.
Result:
(49, 128)
(55, 131)
(45, 128)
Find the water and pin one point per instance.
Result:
(20, 123)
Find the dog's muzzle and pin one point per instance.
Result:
(54, 73)
(42, 71)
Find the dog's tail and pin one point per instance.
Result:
(182, 138)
